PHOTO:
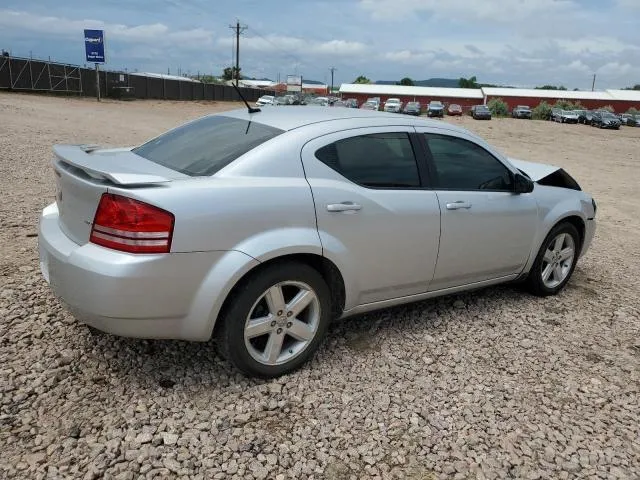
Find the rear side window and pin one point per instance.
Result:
(204, 146)
(380, 160)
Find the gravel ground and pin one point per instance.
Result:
(490, 384)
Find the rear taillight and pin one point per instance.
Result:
(129, 225)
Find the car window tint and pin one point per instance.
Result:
(206, 145)
(463, 165)
(377, 160)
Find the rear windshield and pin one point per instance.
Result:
(204, 146)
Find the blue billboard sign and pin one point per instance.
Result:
(94, 45)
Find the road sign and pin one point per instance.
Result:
(94, 45)
(294, 83)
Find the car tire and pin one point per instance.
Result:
(552, 269)
(248, 350)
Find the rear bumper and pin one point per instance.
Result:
(173, 296)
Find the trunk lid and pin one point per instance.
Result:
(84, 172)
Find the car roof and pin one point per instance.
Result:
(289, 118)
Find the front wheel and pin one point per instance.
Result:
(276, 320)
(555, 262)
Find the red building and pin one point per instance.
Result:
(533, 97)
(465, 97)
(620, 100)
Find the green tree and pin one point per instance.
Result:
(471, 82)
(542, 111)
(635, 87)
(551, 87)
(633, 111)
(362, 79)
(229, 73)
(568, 105)
(406, 81)
(498, 107)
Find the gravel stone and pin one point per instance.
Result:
(489, 384)
(169, 438)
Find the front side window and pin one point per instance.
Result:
(204, 146)
(379, 160)
(463, 165)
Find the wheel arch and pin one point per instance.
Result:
(572, 217)
(325, 267)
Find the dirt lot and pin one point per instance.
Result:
(491, 384)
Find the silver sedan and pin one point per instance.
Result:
(259, 228)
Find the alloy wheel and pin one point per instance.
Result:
(557, 260)
(282, 323)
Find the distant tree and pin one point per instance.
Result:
(229, 73)
(551, 87)
(635, 87)
(406, 81)
(498, 107)
(633, 111)
(542, 111)
(470, 82)
(207, 79)
(362, 79)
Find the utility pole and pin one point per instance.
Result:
(332, 69)
(593, 84)
(238, 29)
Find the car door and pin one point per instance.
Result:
(487, 231)
(377, 220)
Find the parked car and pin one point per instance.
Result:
(265, 100)
(454, 109)
(393, 105)
(568, 116)
(605, 119)
(339, 103)
(521, 111)
(630, 120)
(413, 108)
(584, 116)
(320, 101)
(147, 242)
(279, 101)
(435, 109)
(555, 114)
(352, 103)
(481, 112)
(370, 105)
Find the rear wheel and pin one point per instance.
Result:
(555, 262)
(276, 320)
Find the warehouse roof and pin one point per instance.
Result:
(376, 89)
(539, 93)
(625, 95)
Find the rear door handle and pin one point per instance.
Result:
(343, 207)
(458, 205)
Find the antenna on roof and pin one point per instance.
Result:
(249, 107)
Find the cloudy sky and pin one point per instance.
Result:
(514, 42)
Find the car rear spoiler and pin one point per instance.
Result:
(116, 168)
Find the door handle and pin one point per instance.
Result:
(458, 205)
(343, 207)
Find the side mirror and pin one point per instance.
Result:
(522, 184)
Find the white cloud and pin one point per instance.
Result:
(474, 10)
(628, 3)
(155, 34)
(283, 45)
(408, 56)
